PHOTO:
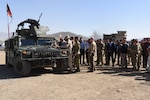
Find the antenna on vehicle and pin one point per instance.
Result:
(39, 17)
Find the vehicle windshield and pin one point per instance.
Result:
(45, 42)
(26, 42)
(39, 41)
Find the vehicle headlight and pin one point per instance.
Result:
(26, 52)
(64, 52)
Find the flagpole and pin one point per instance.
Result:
(8, 27)
(9, 14)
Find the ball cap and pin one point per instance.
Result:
(67, 37)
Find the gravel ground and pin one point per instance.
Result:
(103, 84)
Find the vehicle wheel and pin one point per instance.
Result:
(22, 68)
(60, 65)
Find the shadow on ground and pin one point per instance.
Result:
(8, 72)
(116, 71)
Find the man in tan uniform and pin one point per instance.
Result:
(69, 47)
(92, 51)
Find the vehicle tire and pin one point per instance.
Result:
(22, 68)
(60, 65)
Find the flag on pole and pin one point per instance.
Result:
(9, 11)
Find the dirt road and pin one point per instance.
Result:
(104, 84)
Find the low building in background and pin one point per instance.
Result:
(115, 36)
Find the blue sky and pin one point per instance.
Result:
(82, 16)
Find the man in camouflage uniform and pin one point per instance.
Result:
(100, 51)
(139, 53)
(76, 54)
(134, 54)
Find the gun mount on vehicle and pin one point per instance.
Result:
(30, 47)
(34, 29)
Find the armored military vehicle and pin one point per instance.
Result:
(29, 48)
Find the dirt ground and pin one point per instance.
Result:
(103, 84)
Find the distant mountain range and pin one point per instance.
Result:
(63, 34)
(4, 36)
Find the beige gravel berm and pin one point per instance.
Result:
(104, 84)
